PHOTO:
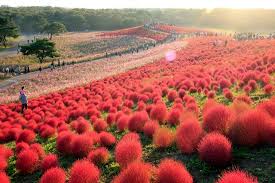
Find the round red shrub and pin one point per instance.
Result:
(268, 89)
(81, 145)
(236, 176)
(4, 178)
(38, 149)
(163, 137)
(84, 171)
(150, 127)
(82, 125)
(27, 161)
(131, 136)
(53, 175)
(122, 122)
(3, 164)
(172, 95)
(100, 125)
(111, 118)
(21, 146)
(177, 172)
(174, 117)
(99, 156)
(188, 135)
(106, 139)
(136, 172)
(63, 142)
(250, 128)
(217, 118)
(27, 136)
(159, 113)
(128, 151)
(137, 121)
(215, 149)
(49, 161)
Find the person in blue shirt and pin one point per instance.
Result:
(23, 99)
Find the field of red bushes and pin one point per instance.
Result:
(206, 116)
(138, 31)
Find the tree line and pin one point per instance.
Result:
(34, 19)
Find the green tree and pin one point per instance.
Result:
(7, 29)
(55, 28)
(41, 48)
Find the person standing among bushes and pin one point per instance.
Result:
(23, 99)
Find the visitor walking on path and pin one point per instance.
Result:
(23, 99)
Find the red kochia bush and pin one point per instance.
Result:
(236, 176)
(122, 122)
(268, 89)
(136, 172)
(217, 118)
(27, 136)
(100, 125)
(53, 175)
(174, 117)
(82, 145)
(215, 149)
(159, 113)
(4, 178)
(173, 172)
(63, 142)
(131, 136)
(106, 139)
(38, 149)
(49, 161)
(172, 95)
(250, 128)
(27, 161)
(137, 121)
(99, 156)
(150, 127)
(128, 151)
(188, 135)
(84, 171)
(21, 146)
(163, 137)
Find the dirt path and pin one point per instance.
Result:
(38, 83)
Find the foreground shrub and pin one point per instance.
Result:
(49, 161)
(100, 125)
(82, 145)
(173, 172)
(27, 161)
(106, 139)
(137, 121)
(137, 172)
(63, 142)
(99, 156)
(128, 151)
(174, 117)
(236, 176)
(163, 138)
(84, 171)
(217, 118)
(53, 175)
(27, 136)
(159, 113)
(4, 178)
(215, 149)
(150, 127)
(250, 128)
(188, 135)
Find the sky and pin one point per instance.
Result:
(97, 4)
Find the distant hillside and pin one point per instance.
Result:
(32, 19)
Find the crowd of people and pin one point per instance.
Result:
(243, 36)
